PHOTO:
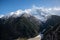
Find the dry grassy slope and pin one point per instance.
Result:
(36, 38)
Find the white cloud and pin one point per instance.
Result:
(39, 12)
(27, 10)
(1, 16)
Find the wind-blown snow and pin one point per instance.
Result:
(39, 12)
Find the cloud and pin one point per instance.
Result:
(39, 12)
(1, 16)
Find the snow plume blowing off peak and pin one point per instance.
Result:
(39, 12)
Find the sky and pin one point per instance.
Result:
(7, 6)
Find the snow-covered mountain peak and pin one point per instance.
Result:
(39, 12)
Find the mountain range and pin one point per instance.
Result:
(28, 23)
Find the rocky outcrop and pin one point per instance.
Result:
(52, 32)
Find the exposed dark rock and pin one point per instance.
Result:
(24, 27)
(52, 32)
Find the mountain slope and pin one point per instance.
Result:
(22, 26)
(51, 22)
